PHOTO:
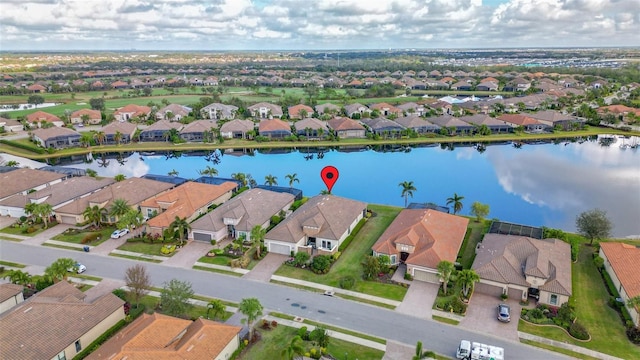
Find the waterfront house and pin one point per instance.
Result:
(621, 263)
(528, 123)
(274, 128)
(160, 131)
(311, 128)
(237, 129)
(200, 130)
(383, 127)
(119, 132)
(346, 128)
(56, 137)
(25, 180)
(495, 125)
(417, 124)
(454, 124)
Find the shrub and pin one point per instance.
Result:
(407, 276)
(347, 282)
(23, 219)
(335, 256)
(320, 264)
(300, 258)
(633, 333)
(578, 331)
(31, 229)
(168, 249)
(213, 242)
(303, 333)
(121, 293)
(353, 234)
(89, 237)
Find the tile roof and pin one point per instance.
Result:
(414, 122)
(20, 180)
(624, 260)
(518, 119)
(253, 207)
(184, 201)
(199, 126)
(343, 124)
(54, 132)
(93, 114)
(483, 119)
(274, 125)
(163, 125)
(508, 259)
(436, 236)
(176, 109)
(447, 120)
(51, 320)
(330, 215)
(133, 108)
(311, 123)
(237, 125)
(159, 337)
(294, 111)
(40, 116)
(7, 291)
(61, 192)
(119, 126)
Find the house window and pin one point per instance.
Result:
(393, 260)
(60, 356)
(554, 299)
(326, 244)
(78, 346)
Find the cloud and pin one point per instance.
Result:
(318, 24)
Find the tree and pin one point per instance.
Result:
(270, 180)
(35, 100)
(320, 336)
(131, 219)
(594, 224)
(58, 270)
(100, 137)
(456, 200)
(467, 279)
(18, 277)
(252, 309)
(241, 177)
(43, 211)
(208, 171)
(479, 210)
(119, 177)
(445, 270)
(173, 172)
(91, 173)
(293, 178)
(86, 138)
(422, 354)
(294, 348)
(635, 302)
(257, 236)
(217, 307)
(138, 282)
(407, 190)
(12, 163)
(180, 227)
(94, 214)
(119, 207)
(97, 103)
(175, 296)
(117, 137)
(370, 267)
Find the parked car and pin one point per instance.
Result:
(79, 268)
(119, 233)
(504, 313)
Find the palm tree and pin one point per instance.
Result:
(445, 270)
(241, 177)
(467, 278)
(91, 173)
(456, 200)
(257, 236)
(270, 180)
(422, 354)
(18, 277)
(94, 214)
(407, 190)
(58, 269)
(252, 309)
(119, 177)
(173, 172)
(30, 208)
(100, 137)
(131, 219)
(12, 163)
(119, 207)
(86, 138)
(295, 348)
(216, 306)
(209, 171)
(181, 227)
(117, 137)
(43, 211)
(293, 178)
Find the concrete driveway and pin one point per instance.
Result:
(482, 315)
(189, 254)
(419, 299)
(266, 267)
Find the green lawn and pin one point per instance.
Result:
(12, 264)
(146, 248)
(105, 233)
(194, 312)
(11, 230)
(273, 341)
(590, 300)
(349, 262)
(573, 354)
(224, 261)
(468, 249)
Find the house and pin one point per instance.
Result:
(622, 111)
(86, 116)
(219, 111)
(132, 111)
(300, 111)
(311, 128)
(119, 132)
(514, 265)
(355, 111)
(11, 125)
(134, 191)
(57, 323)
(456, 125)
(553, 119)
(161, 337)
(487, 86)
(527, 122)
(327, 108)
(411, 108)
(421, 239)
(119, 84)
(346, 128)
(386, 110)
(462, 86)
(496, 126)
(186, 201)
(37, 88)
(274, 128)
(173, 112)
(517, 84)
(24, 180)
(237, 129)
(319, 226)
(417, 124)
(621, 263)
(383, 126)
(10, 296)
(56, 137)
(160, 131)
(56, 195)
(265, 110)
(37, 118)
(236, 217)
(200, 130)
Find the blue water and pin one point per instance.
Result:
(543, 184)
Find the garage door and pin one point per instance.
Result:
(201, 236)
(515, 294)
(68, 220)
(488, 289)
(279, 249)
(426, 276)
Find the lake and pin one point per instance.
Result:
(540, 184)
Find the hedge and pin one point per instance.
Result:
(353, 234)
(20, 145)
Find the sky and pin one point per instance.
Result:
(215, 25)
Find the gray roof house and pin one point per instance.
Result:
(411, 108)
(173, 112)
(199, 131)
(21, 181)
(157, 131)
(346, 128)
(555, 118)
(327, 108)
(265, 110)
(356, 110)
(514, 265)
(11, 125)
(450, 121)
(417, 123)
(237, 129)
(317, 227)
(311, 128)
(56, 137)
(382, 126)
(237, 216)
(495, 125)
(218, 111)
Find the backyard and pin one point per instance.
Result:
(590, 298)
(349, 263)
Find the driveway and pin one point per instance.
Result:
(482, 316)
(266, 267)
(189, 254)
(419, 299)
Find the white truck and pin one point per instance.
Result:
(468, 350)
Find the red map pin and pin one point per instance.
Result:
(329, 175)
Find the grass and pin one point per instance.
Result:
(135, 258)
(590, 300)
(346, 331)
(349, 262)
(573, 354)
(219, 271)
(10, 238)
(11, 230)
(105, 233)
(224, 261)
(12, 264)
(87, 277)
(445, 320)
(85, 287)
(467, 254)
(146, 248)
(193, 312)
(62, 247)
(273, 341)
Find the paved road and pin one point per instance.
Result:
(359, 317)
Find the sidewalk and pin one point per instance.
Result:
(562, 345)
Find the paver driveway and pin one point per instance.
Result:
(482, 315)
(419, 299)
